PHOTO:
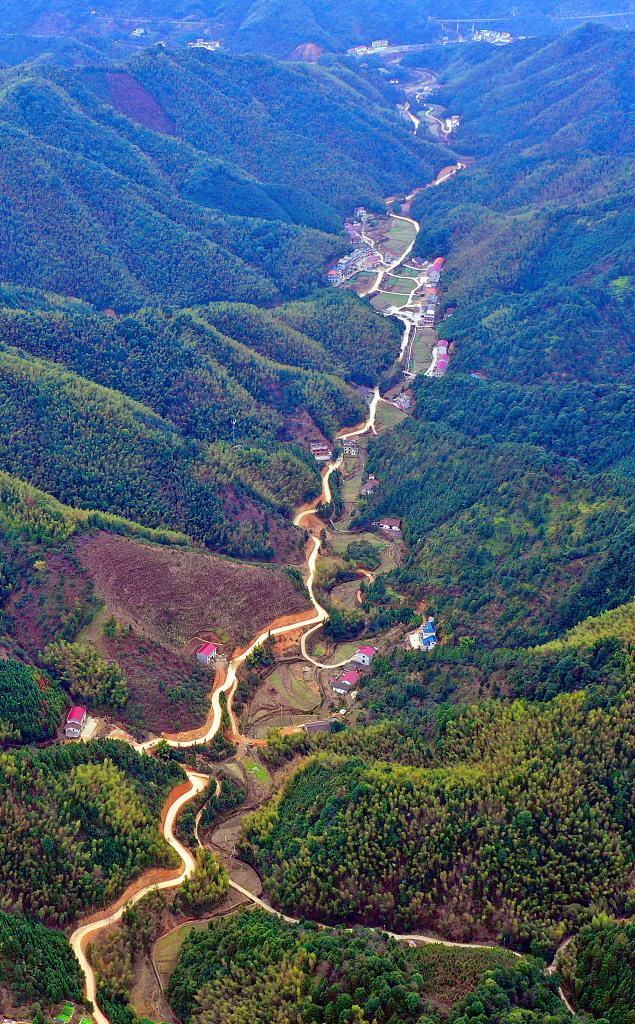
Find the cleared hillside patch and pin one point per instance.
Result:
(172, 595)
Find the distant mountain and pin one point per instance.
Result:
(78, 33)
(191, 177)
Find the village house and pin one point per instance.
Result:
(313, 727)
(389, 524)
(346, 683)
(379, 44)
(365, 655)
(351, 448)
(402, 401)
(321, 453)
(370, 485)
(75, 722)
(207, 654)
(425, 638)
(205, 44)
(427, 635)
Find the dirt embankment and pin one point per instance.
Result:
(172, 594)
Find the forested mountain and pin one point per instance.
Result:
(71, 31)
(517, 823)
(161, 399)
(130, 187)
(511, 545)
(539, 232)
(510, 487)
(175, 177)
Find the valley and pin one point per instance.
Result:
(332, 551)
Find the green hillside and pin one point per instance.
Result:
(519, 823)
(539, 231)
(510, 544)
(37, 962)
(132, 184)
(84, 818)
(310, 975)
(598, 969)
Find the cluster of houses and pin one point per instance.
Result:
(362, 258)
(485, 35)
(361, 51)
(205, 44)
(371, 484)
(452, 123)
(443, 358)
(425, 638)
(343, 684)
(321, 451)
(431, 297)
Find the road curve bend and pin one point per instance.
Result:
(81, 936)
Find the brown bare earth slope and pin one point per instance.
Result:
(135, 102)
(172, 595)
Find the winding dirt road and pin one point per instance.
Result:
(82, 935)
(197, 781)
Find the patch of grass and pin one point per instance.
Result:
(352, 487)
(388, 416)
(421, 356)
(256, 769)
(297, 693)
(167, 948)
(449, 975)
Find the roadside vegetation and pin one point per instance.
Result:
(77, 824)
(482, 841)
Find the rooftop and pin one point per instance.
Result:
(207, 649)
(76, 714)
(351, 677)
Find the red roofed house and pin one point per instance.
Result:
(207, 653)
(75, 722)
(365, 655)
(346, 683)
